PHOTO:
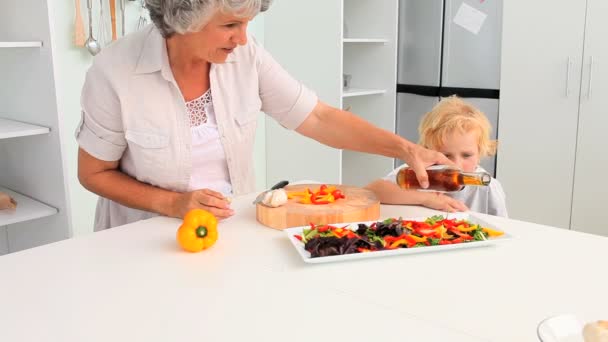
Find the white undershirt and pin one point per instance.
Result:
(209, 166)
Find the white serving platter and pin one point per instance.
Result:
(299, 246)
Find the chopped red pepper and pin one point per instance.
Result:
(337, 194)
(323, 229)
(298, 237)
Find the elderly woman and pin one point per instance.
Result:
(169, 114)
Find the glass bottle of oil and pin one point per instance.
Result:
(442, 178)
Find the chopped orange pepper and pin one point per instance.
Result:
(325, 195)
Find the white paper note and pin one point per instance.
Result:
(469, 18)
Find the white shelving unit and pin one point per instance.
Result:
(33, 44)
(372, 66)
(13, 129)
(32, 166)
(27, 209)
(314, 48)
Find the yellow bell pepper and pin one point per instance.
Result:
(418, 239)
(198, 231)
(492, 232)
(468, 229)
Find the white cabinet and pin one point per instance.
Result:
(317, 42)
(545, 110)
(590, 195)
(31, 160)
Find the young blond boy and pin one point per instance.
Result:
(462, 133)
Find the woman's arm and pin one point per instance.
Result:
(336, 128)
(390, 193)
(105, 179)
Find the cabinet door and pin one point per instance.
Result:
(590, 186)
(540, 86)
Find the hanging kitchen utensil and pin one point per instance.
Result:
(91, 44)
(143, 19)
(102, 36)
(113, 17)
(79, 35)
(122, 17)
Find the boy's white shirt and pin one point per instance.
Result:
(489, 199)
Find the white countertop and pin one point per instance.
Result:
(133, 283)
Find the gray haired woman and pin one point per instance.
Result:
(169, 114)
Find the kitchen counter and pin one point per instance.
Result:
(133, 283)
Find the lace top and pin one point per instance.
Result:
(209, 166)
(197, 109)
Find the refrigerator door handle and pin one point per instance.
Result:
(590, 78)
(568, 77)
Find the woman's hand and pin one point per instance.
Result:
(439, 201)
(212, 201)
(419, 158)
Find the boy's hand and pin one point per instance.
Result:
(419, 158)
(439, 201)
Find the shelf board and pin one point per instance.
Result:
(27, 209)
(32, 44)
(361, 92)
(365, 40)
(12, 129)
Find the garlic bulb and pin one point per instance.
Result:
(596, 332)
(275, 198)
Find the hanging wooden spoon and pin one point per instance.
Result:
(113, 17)
(79, 36)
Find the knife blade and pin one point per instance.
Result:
(279, 185)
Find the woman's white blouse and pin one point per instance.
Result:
(133, 111)
(209, 166)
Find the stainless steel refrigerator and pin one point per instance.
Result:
(448, 47)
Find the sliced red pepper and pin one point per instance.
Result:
(351, 234)
(460, 234)
(337, 194)
(389, 239)
(298, 237)
(410, 240)
(323, 229)
(444, 242)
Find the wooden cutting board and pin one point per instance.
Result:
(359, 205)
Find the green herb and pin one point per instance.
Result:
(434, 219)
(434, 242)
(479, 235)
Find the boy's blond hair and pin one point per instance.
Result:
(455, 115)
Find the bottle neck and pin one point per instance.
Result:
(475, 178)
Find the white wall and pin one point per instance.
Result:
(71, 64)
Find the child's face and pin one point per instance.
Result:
(462, 149)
